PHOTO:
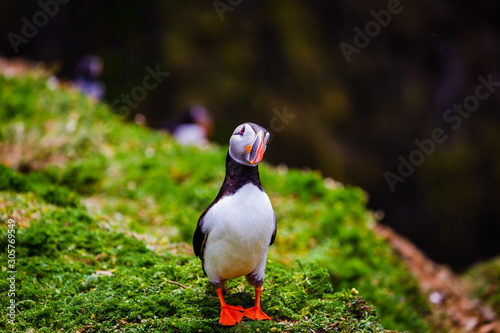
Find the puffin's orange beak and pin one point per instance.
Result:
(257, 151)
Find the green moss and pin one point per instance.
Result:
(35, 182)
(484, 280)
(76, 272)
(139, 183)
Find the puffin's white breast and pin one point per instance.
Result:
(239, 228)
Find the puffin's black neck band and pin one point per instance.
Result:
(238, 175)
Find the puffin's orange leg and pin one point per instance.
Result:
(229, 315)
(255, 312)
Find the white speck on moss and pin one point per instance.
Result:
(149, 152)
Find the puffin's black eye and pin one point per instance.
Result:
(242, 130)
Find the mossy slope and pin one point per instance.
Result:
(80, 157)
(76, 272)
(484, 280)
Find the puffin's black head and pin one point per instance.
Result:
(248, 144)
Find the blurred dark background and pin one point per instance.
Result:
(351, 119)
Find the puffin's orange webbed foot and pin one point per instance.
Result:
(256, 313)
(230, 315)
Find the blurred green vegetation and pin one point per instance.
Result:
(96, 193)
(484, 280)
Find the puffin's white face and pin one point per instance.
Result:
(248, 144)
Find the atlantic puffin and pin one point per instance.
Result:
(234, 233)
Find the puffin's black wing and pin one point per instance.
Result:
(273, 237)
(199, 238)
